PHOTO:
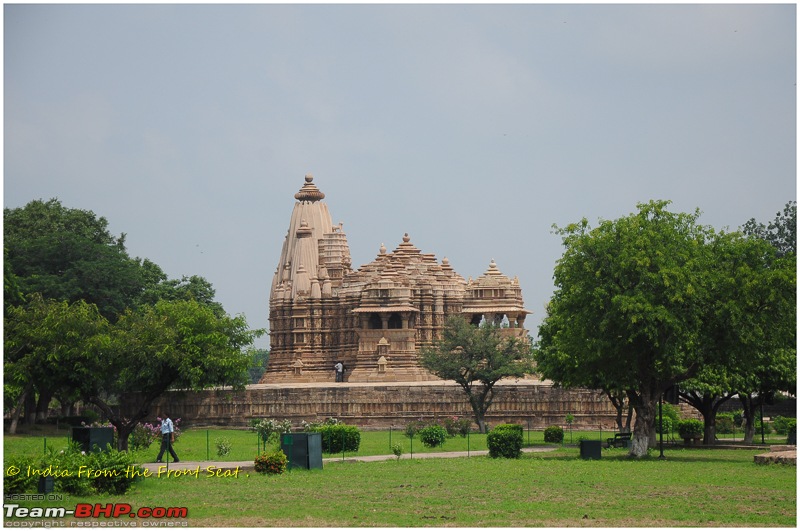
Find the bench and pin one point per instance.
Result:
(620, 440)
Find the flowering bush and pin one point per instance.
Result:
(269, 429)
(456, 426)
(176, 426)
(271, 463)
(143, 435)
(223, 446)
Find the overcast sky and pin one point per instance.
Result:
(472, 128)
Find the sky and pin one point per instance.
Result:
(474, 128)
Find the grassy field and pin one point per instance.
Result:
(692, 487)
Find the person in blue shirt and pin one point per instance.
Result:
(167, 438)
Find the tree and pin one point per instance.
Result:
(628, 309)
(70, 255)
(476, 358)
(770, 363)
(173, 345)
(45, 342)
(260, 360)
(621, 406)
(781, 233)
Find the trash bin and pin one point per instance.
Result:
(591, 449)
(93, 439)
(303, 450)
(45, 485)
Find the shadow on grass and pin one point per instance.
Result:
(675, 456)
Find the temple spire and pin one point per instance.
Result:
(309, 192)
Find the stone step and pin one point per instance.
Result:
(786, 457)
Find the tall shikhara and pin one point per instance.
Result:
(375, 319)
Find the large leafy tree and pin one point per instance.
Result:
(476, 358)
(769, 365)
(628, 310)
(45, 345)
(69, 254)
(172, 345)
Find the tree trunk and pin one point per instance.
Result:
(30, 408)
(749, 407)
(628, 419)
(480, 403)
(43, 405)
(123, 425)
(644, 430)
(12, 429)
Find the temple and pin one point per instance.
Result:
(373, 320)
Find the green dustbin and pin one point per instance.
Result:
(303, 450)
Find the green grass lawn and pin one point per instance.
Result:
(692, 487)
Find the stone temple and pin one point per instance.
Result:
(375, 319)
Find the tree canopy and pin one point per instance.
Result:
(85, 320)
(69, 255)
(629, 307)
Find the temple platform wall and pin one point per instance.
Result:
(382, 405)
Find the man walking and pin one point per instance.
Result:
(167, 438)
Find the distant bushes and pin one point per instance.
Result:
(554, 434)
(337, 437)
(433, 435)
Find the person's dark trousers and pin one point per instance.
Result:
(166, 444)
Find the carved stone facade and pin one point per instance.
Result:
(374, 319)
(528, 402)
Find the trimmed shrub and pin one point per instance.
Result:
(767, 427)
(724, 423)
(665, 426)
(553, 434)
(782, 425)
(505, 440)
(433, 435)
(690, 429)
(338, 438)
(670, 411)
(271, 463)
